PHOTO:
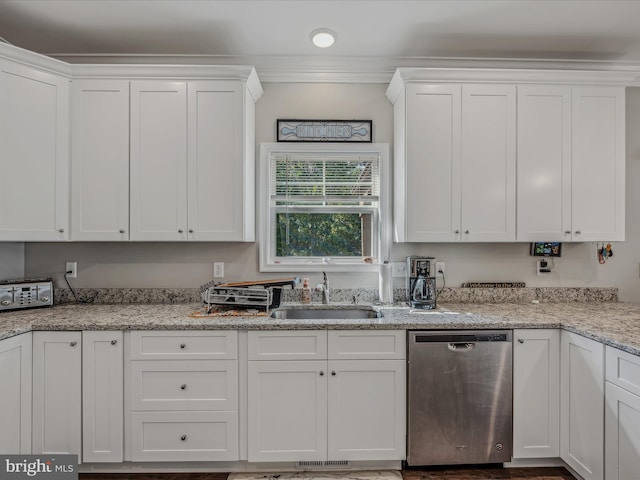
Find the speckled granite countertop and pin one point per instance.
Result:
(612, 323)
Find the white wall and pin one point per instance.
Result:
(190, 264)
(11, 261)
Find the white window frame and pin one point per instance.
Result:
(383, 240)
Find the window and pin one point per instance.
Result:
(323, 207)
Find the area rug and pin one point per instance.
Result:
(320, 475)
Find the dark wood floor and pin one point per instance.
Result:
(426, 474)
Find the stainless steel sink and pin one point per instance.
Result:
(349, 313)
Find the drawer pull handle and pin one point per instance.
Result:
(183, 438)
(183, 345)
(521, 340)
(183, 386)
(114, 342)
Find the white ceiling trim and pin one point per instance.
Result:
(304, 69)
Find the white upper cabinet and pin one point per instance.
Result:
(488, 167)
(427, 181)
(192, 161)
(100, 160)
(158, 160)
(473, 164)
(598, 163)
(544, 163)
(216, 164)
(570, 163)
(455, 163)
(34, 154)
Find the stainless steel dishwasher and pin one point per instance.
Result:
(460, 397)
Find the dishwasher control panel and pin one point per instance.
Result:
(30, 293)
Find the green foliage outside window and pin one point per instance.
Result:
(318, 235)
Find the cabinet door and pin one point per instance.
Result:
(582, 405)
(367, 410)
(57, 392)
(100, 160)
(598, 163)
(287, 408)
(34, 154)
(544, 163)
(102, 397)
(622, 434)
(536, 393)
(216, 182)
(429, 190)
(488, 163)
(15, 401)
(158, 160)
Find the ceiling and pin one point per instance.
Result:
(371, 34)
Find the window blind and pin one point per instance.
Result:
(324, 180)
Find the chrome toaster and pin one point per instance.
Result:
(28, 293)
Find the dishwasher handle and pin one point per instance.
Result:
(461, 347)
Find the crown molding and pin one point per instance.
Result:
(372, 69)
(32, 59)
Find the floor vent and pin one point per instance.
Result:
(324, 464)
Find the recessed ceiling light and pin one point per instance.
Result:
(323, 37)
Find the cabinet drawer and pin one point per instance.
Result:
(288, 345)
(184, 385)
(367, 344)
(180, 436)
(192, 345)
(623, 369)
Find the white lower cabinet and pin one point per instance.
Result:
(622, 415)
(102, 397)
(327, 408)
(536, 393)
(15, 400)
(57, 393)
(183, 396)
(366, 409)
(582, 405)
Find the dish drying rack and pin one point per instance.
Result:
(253, 294)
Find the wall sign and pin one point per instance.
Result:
(324, 131)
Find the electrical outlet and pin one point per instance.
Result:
(543, 268)
(398, 269)
(218, 269)
(440, 268)
(72, 269)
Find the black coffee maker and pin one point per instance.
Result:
(421, 282)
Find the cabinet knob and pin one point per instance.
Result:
(73, 344)
(183, 345)
(122, 230)
(333, 373)
(467, 232)
(521, 340)
(191, 230)
(321, 373)
(61, 230)
(567, 232)
(114, 342)
(183, 438)
(578, 232)
(456, 231)
(183, 386)
(179, 230)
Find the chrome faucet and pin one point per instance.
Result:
(324, 288)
